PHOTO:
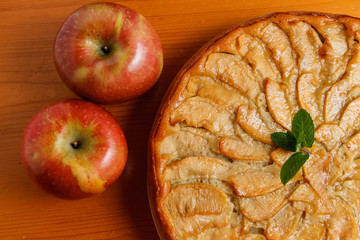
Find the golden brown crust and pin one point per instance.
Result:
(159, 188)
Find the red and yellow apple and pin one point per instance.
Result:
(108, 53)
(74, 149)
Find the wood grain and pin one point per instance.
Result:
(28, 81)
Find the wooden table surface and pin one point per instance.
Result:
(29, 81)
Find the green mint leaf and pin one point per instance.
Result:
(301, 141)
(286, 140)
(301, 138)
(292, 139)
(292, 166)
(303, 124)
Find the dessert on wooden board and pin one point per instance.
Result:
(213, 168)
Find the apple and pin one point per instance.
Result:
(108, 53)
(74, 149)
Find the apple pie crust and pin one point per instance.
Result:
(213, 169)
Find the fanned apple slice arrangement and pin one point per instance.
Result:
(105, 53)
(259, 135)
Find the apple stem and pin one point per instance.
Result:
(75, 144)
(105, 49)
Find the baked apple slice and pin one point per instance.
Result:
(191, 208)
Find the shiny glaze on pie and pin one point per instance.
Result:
(213, 169)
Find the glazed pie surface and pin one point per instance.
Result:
(214, 170)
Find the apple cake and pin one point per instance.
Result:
(213, 168)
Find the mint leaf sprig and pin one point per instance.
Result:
(299, 141)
